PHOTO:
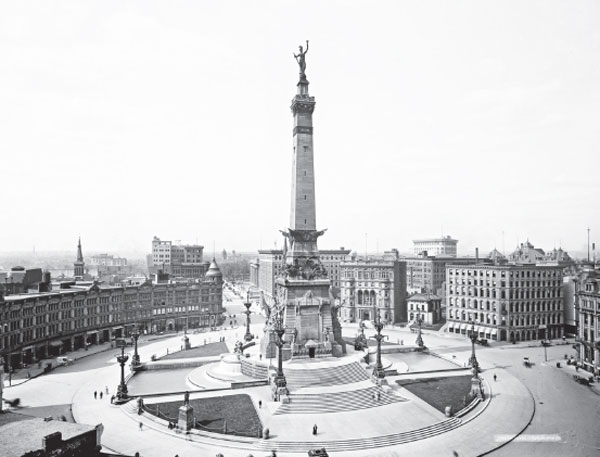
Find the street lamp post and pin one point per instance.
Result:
(248, 336)
(9, 368)
(135, 359)
(378, 371)
(473, 336)
(280, 380)
(545, 343)
(122, 396)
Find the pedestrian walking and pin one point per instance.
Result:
(378, 396)
(260, 403)
(315, 429)
(494, 377)
(95, 394)
(106, 389)
(100, 395)
(141, 425)
(112, 399)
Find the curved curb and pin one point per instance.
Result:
(519, 432)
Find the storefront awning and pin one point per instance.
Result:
(451, 325)
(479, 329)
(56, 344)
(494, 331)
(464, 326)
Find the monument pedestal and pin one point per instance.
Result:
(476, 389)
(186, 418)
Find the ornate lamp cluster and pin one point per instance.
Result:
(248, 336)
(135, 359)
(473, 336)
(122, 395)
(378, 371)
(279, 330)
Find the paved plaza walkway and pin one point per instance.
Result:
(507, 414)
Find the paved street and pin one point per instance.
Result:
(565, 422)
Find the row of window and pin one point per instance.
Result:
(540, 273)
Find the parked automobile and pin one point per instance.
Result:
(60, 361)
(581, 380)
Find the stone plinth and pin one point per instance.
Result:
(476, 389)
(186, 418)
(337, 350)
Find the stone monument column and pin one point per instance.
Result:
(303, 290)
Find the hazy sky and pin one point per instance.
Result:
(124, 120)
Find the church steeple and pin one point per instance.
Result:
(79, 253)
(79, 263)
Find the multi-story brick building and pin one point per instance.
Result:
(443, 247)
(373, 284)
(38, 325)
(587, 301)
(426, 306)
(270, 266)
(179, 260)
(506, 302)
(331, 260)
(426, 274)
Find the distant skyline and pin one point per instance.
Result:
(124, 121)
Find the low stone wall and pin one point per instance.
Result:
(388, 349)
(244, 384)
(254, 369)
(177, 363)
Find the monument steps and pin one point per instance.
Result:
(130, 407)
(344, 374)
(361, 443)
(336, 402)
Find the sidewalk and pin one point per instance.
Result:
(33, 371)
(509, 412)
(570, 370)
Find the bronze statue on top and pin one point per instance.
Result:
(301, 59)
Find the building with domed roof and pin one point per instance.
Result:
(214, 271)
(527, 253)
(559, 257)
